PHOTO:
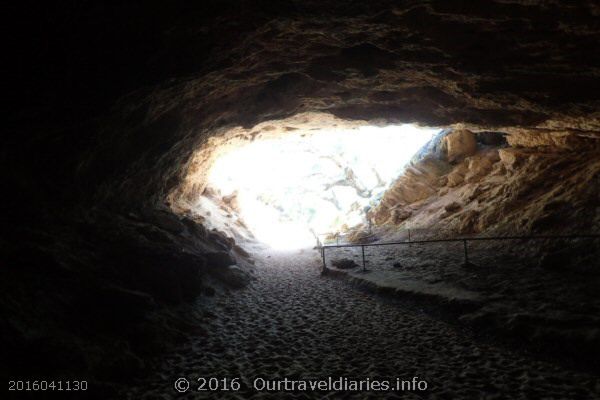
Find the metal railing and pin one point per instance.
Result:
(464, 240)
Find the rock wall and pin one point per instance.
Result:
(109, 103)
(204, 68)
(104, 292)
(508, 65)
(529, 185)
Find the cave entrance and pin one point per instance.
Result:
(287, 189)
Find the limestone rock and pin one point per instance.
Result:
(360, 235)
(478, 166)
(452, 207)
(512, 158)
(469, 222)
(557, 140)
(460, 144)
(457, 176)
(420, 180)
(399, 215)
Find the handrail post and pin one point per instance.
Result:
(323, 256)
(466, 252)
(363, 258)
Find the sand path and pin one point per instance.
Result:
(293, 323)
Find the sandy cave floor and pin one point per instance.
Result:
(504, 277)
(293, 323)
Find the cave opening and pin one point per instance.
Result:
(170, 165)
(291, 190)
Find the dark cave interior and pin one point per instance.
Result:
(117, 251)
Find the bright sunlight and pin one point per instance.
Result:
(292, 188)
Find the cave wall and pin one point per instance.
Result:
(466, 182)
(200, 69)
(108, 104)
(498, 65)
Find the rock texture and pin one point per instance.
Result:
(109, 105)
(536, 186)
(459, 144)
(520, 64)
(109, 290)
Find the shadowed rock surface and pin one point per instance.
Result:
(110, 107)
(494, 64)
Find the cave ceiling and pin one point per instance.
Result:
(173, 75)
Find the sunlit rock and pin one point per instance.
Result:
(460, 144)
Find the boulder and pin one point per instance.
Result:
(460, 144)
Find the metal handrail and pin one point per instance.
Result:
(464, 240)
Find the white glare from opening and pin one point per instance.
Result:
(292, 188)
